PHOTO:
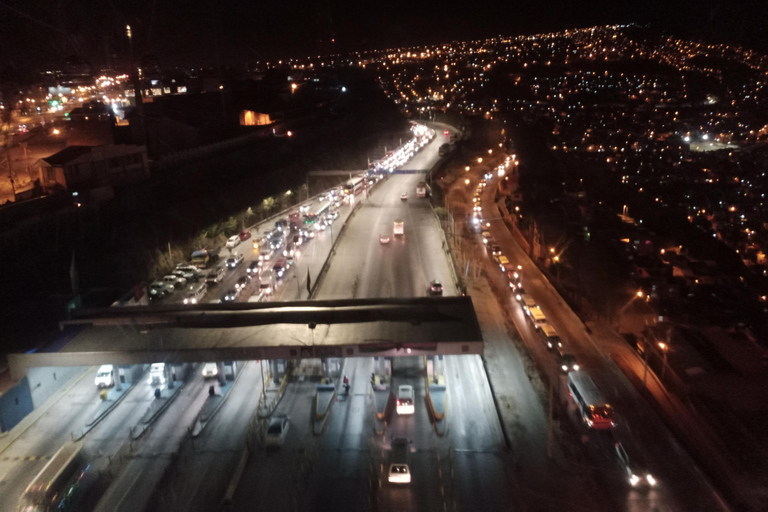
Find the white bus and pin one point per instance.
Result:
(354, 186)
(316, 212)
(595, 412)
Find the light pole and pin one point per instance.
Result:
(638, 295)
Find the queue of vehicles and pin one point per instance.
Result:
(595, 411)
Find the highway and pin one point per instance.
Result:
(682, 485)
(462, 470)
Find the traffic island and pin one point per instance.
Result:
(383, 404)
(109, 399)
(163, 398)
(436, 401)
(323, 400)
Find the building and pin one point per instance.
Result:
(93, 168)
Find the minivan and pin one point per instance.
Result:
(551, 339)
(105, 377)
(537, 317)
(195, 293)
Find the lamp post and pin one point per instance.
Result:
(638, 295)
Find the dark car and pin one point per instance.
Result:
(253, 268)
(245, 235)
(242, 281)
(567, 363)
(231, 295)
(435, 288)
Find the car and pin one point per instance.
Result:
(404, 196)
(384, 238)
(290, 249)
(180, 277)
(233, 241)
(487, 238)
(157, 374)
(399, 474)
(189, 275)
(231, 295)
(105, 377)
(277, 430)
(244, 235)
(519, 293)
(253, 268)
(189, 269)
(435, 287)
(174, 280)
(280, 268)
(266, 254)
(162, 287)
(404, 403)
(567, 362)
(156, 294)
(495, 249)
(297, 240)
(308, 234)
(305, 207)
(234, 260)
(631, 463)
(276, 243)
(210, 370)
(281, 225)
(477, 208)
(289, 260)
(215, 276)
(243, 281)
(320, 225)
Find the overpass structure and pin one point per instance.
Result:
(250, 331)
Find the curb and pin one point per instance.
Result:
(324, 270)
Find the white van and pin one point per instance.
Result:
(105, 377)
(195, 293)
(157, 373)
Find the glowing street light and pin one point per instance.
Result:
(479, 159)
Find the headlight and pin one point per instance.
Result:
(565, 368)
(576, 367)
(518, 297)
(633, 480)
(651, 481)
(186, 301)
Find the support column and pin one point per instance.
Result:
(118, 377)
(220, 373)
(170, 376)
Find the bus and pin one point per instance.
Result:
(354, 186)
(60, 485)
(316, 212)
(595, 412)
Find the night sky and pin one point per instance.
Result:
(41, 33)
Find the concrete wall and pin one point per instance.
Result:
(14, 405)
(45, 381)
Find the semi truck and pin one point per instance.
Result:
(204, 257)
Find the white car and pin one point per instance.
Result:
(210, 370)
(174, 280)
(384, 238)
(404, 196)
(277, 430)
(405, 399)
(234, 260)
(105, 377)
(233, 241)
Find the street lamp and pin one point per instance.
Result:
(466, 181)
(466, 168)
(479, 159)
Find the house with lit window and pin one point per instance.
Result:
(89, 168)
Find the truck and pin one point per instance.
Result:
(398, 229)
(421, 189)
(204, 257)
